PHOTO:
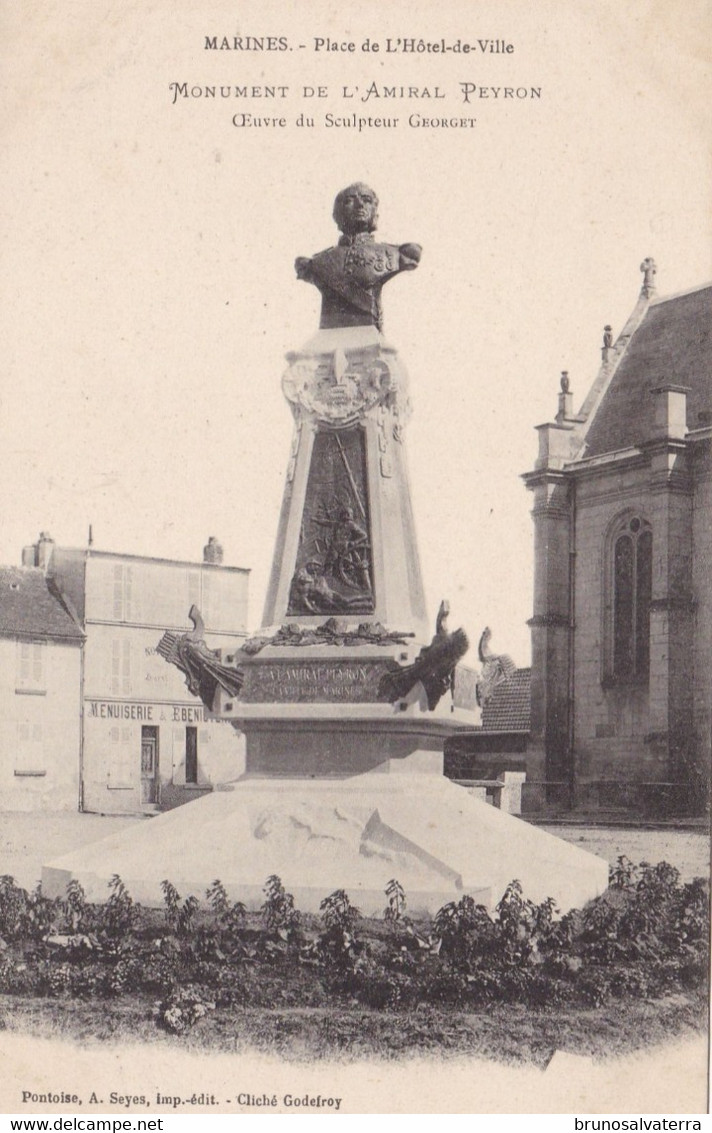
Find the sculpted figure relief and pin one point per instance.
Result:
(201, 666)
(434, 666)
(351, 275)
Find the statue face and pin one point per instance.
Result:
(355, 209)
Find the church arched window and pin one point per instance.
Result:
(631, 577)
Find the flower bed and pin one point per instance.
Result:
(645, 938)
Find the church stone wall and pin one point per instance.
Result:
(702, 594)
(611, 720)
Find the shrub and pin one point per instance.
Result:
(373, 986)
(278, 911)
(594, 987)
(23, 915)
(179, 917)
(157, 971)
(338, 941)
(622, 874)
(338, 913)
(119, 915)
(18, 977)
(182, 1009)
(464, 927)
(395, 909)
(693, 914)
(41, 913)
(446, 986)
(520, 923)
(55, 978)
(78, 916)
(230, 918)
(13, 909)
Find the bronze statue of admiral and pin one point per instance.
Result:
(351, 275)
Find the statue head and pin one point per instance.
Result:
(356, 209)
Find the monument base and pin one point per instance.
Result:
(310, 748)
(357, 834)
(316, 710)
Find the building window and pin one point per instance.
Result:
(121, 666)
(120, 758)
(30, 754)
(193, 588)
(191, 755)
(123, 586)
(30, 667)
(631, 590)
(208, 600)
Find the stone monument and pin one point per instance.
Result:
(345, 696)
(344, 674)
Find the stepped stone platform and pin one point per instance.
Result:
(399, 820)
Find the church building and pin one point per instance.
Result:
(621, 683)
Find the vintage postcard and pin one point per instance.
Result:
(384, 610)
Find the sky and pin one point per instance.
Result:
(149, 295)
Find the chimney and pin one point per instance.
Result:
(39, 554)
(670, 412)
(45, 547)
(212, 551)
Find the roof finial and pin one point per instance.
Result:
(648, 268)
(607, 342)
(565, 410)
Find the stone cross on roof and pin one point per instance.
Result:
(648, 268)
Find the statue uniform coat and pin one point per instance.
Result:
(350, 277)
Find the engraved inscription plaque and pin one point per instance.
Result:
(304, 682)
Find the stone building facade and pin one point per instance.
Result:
(622, 622)
(41, 647)
(120, 730)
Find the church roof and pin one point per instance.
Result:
(29, 606)
(508, 709)
(672, 344)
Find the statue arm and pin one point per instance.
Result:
(302, 266)
(410, 256)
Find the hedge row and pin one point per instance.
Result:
(645, 937)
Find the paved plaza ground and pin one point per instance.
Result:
(29, 840)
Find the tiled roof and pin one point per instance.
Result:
(508, 709)
(673, 344)
(30, 605)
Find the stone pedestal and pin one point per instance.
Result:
(346, 518)
(315, 703)
(398, 821)
(315, 711)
